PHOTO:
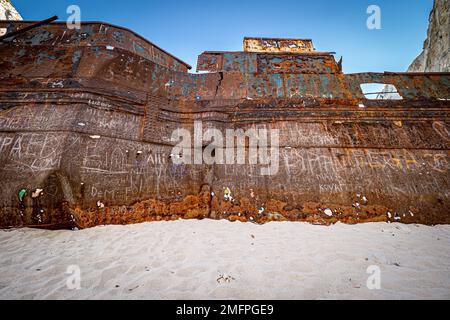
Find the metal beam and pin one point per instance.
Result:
(27, 28)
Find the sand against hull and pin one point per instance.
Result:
(222, 260)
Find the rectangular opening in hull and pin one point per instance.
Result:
(380, 91)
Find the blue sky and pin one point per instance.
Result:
(187, 28)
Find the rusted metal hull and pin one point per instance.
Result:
(387, 160)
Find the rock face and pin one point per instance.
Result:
(435, 56)
(8, 12)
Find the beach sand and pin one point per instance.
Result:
(222, 260)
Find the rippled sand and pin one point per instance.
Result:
(222, 260)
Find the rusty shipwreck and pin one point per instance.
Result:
(86, 118)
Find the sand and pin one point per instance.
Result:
(223, 260)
